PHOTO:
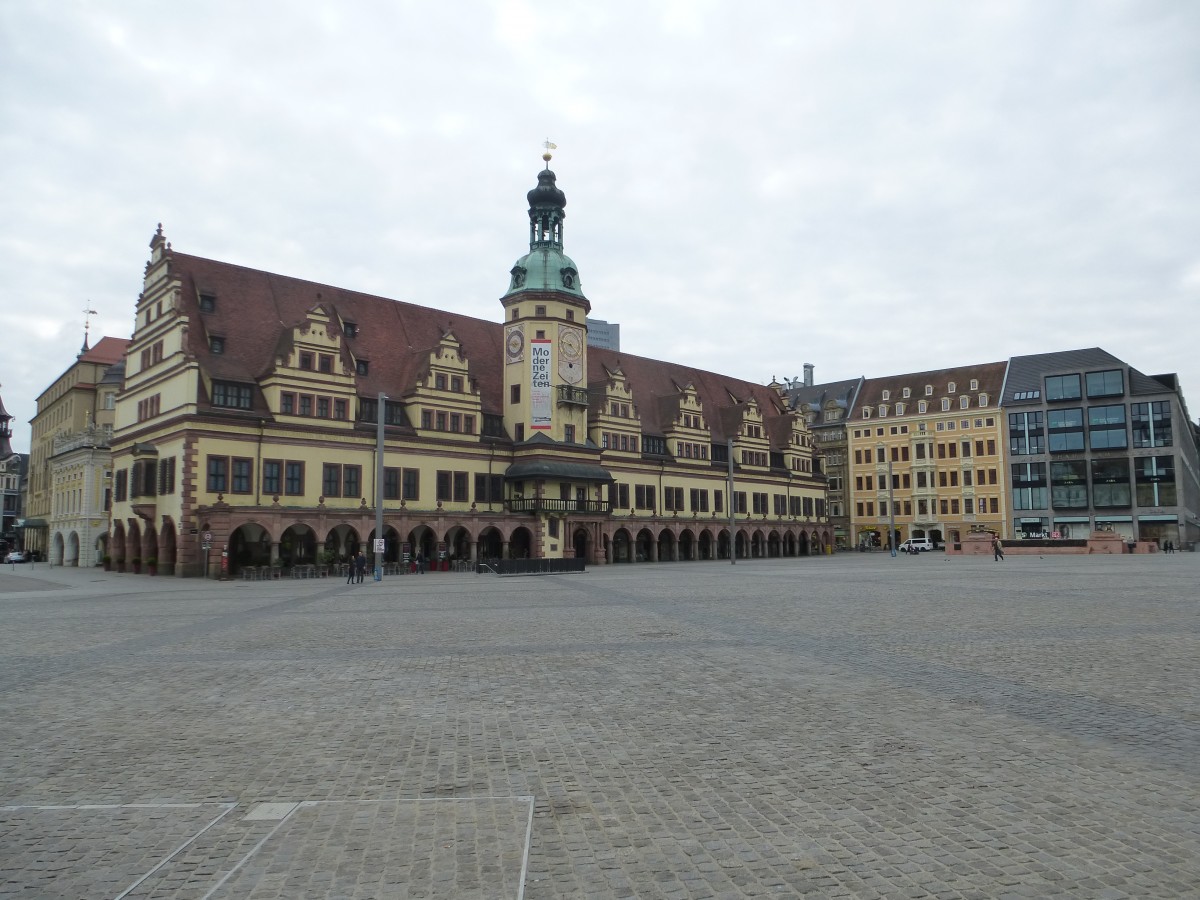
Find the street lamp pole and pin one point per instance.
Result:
(379, 487)
(732, 509)
(891, 501)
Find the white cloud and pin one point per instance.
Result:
(870, 187)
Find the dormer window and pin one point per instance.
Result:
(362, 366)
(922, 406)
(887, 395)
(899, 409)
(208, 302)
(929, 390)
(983, 399)
(216, 344)
(906, 393)
(945, 404)
(439, 382)
(974, 384)
(866, 412)
(350, 329)
(883, 410)
(325, 363)
(456, 384)
(950, 388)
(306, 361)
(964, 402)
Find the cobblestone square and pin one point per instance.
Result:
(848, 727)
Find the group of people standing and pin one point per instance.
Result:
(357, 569)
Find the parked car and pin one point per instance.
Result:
(15, 556)
(916, 545)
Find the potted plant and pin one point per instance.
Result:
(107, 562)
(136, 562)
(152, 565)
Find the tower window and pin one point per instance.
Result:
(362, 366)
(216, 344)
(539, 310)
(208, 302)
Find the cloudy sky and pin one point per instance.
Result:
(876, 188)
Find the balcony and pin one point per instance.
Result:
(572, 396)
(566, 507)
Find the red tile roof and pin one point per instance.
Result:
(255, 311)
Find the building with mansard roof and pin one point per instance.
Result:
(66, 516)
(925, 454)
(246, 432)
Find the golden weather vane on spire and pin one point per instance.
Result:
(549, 145)
(88, 311)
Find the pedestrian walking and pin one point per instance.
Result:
(360, 567)
(997, 549)
(350, 571)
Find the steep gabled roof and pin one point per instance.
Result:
(107, 351)
(255, 312)
(653, 381)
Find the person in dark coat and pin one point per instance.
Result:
(360, 567)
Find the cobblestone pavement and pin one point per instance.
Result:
(856, 726)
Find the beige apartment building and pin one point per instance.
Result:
(926, 456)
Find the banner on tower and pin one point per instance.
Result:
(541, 404)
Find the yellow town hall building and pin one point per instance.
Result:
(249, 419)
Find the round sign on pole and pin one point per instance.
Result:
(208, 537)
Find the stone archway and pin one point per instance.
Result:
(665, 552)
(58, 549)
(343, 543)
(249, 545)
(520, 544)
(723, 549)
(687, 545)
(774, 545)
(707, 547)
(580, 541)
(491, 543)
(71, 553)
(298, 546)
(622, 546)
(644, 546)
(168, 550)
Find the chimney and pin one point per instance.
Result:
(808, 374)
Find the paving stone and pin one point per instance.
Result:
(853, 726)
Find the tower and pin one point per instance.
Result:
(545, 329)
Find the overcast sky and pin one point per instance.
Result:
(875, 188)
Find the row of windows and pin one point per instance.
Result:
(145, 478)
(924, 480)
(442, 420)
(286, 477)
(152, 355)
(1064, 429)
(149, 407)
(951, 506)
(1067, 487)
(962, 424)
(1109, 383)
(754, 458)
(964, 402)
(951, 387)
(442, 382)
(308, 405)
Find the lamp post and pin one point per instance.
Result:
(379, 486)
(732, 510)
(891, 502)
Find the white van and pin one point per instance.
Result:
(916, 545)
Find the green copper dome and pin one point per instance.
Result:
(545, 267)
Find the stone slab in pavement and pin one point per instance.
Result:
(855, 726)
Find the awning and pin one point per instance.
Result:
(563, 471)
(1158, 518)
(1114, 518)
(32, 523)
(1072, 520)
